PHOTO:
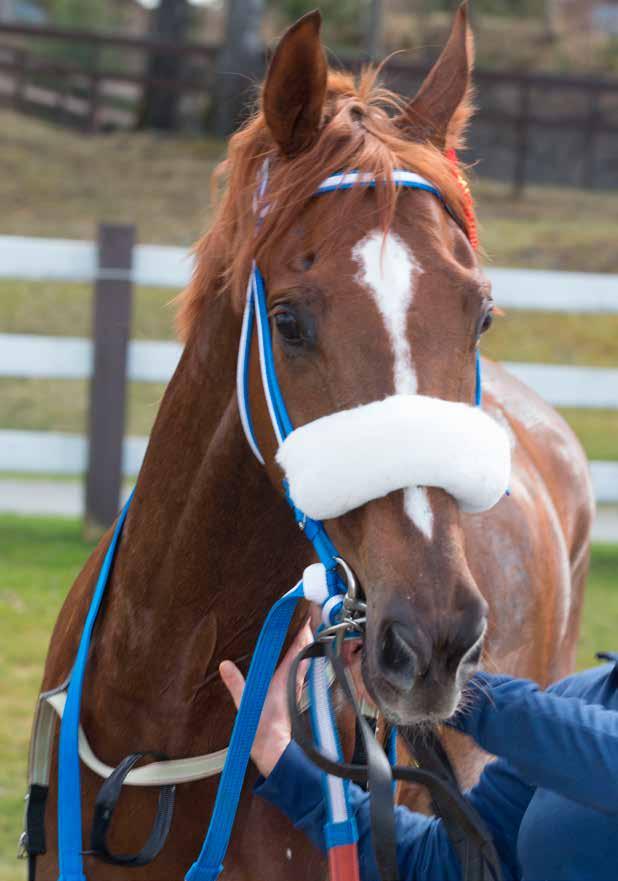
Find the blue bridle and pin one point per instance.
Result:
(256, 308)
(341, 829)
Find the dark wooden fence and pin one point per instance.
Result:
(530, 126)
(106, 89)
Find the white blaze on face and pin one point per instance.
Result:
(389, 270)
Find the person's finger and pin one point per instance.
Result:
(315, 616)
(233, 680)
(306, 635)
(300, 678)
(302, 638)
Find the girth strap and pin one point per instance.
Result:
(32, 840)
(173, 771)
(105, 803)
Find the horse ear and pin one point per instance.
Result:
(442, 107)
(295, 86)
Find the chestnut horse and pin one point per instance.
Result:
(371, 292)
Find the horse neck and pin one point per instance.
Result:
(208, 544)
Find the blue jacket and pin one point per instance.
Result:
(550, 799)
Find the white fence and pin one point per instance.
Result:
(72, 358)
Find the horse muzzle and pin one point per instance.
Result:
(414, 681)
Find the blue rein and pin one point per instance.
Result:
(342, 830)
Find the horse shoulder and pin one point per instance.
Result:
(547, 449)
(69, 624)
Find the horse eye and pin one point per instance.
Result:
(486, 321)
(288, 326)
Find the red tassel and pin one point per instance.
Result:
(469, 212)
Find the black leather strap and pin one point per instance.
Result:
(379, 779)
(468, 835)
(35, 825)
(430, 754)
(105, 804)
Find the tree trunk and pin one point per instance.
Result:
(240, 64)
(161, 104)
(549, 21)
(375, 30)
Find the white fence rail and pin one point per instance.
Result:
(170, 267)
(29, 356)
(36, 357)
(40, 259)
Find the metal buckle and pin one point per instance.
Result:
(22, 846)
(353, 615)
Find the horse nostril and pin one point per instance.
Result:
(467, 652)
(398, 659)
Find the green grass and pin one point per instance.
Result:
(597, 431)
(553, 338)
(62, 405)
(57, 308)
(601, 606)
(39, 559)
(61, 183)
(38, 562)
(548, 227)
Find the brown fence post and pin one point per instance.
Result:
(521, 138)
(588, 165)
(94, 92)
(111, 330)
(19, 82)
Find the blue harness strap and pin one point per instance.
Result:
(69, 793)
(209, 863)
(478, 395)
(341, 828)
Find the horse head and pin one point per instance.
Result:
(375, 297)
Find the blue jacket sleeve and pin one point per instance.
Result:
(501, 797)
(423, 850)
(553, 741)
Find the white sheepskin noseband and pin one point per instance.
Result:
(340, 462)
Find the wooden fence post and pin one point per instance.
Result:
(521, 139)
(588, 164)
(19, 82)
(111, 330)
(94, 91)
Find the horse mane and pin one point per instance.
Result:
(358, 132)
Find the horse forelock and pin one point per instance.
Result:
(358, 131)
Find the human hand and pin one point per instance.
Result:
(274, 730)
